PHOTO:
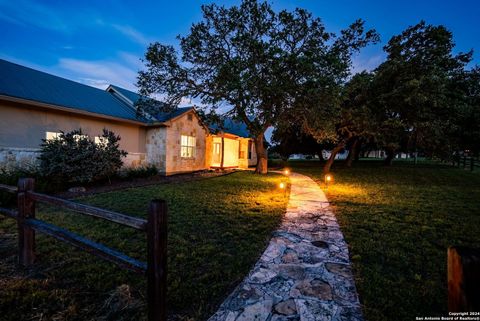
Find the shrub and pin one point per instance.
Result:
(74, 158)
(139, 172)
(11, 177)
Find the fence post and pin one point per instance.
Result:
(26, 210)
(157, 260)
(463, 279)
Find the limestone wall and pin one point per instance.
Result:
(189, 125)
(12, 159)
(155, 146)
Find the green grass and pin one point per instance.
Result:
(399, 222)
(218, 227)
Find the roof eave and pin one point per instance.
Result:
(68, 109)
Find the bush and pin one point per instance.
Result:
(11, 178)
(74, 158)
(138, 172)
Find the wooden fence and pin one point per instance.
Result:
(463, 279)
(155, 227)
(465, 162)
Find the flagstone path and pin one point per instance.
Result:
(304, 274)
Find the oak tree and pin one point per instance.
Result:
(253, 64)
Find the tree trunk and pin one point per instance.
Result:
(329, 163)
(390, 156)
(352, 152)
(320, 156)
(262, 158)
(357, 152)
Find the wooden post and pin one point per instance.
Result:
(463, 279)
(26, 210)
(222, 163)
(157, 260)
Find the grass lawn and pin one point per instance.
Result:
(218, 227)
(399, 222)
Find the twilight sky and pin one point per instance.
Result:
(101, 42)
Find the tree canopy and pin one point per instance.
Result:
(422, 97)
(416, 89)
(253, 64)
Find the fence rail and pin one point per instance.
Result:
(465, 162)
(155, 226)
(134, 222)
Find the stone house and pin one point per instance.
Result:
(35, 105)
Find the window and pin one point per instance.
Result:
(51, 135)
(187, 149)
(190, 117)
(78, 137)
(100, 140)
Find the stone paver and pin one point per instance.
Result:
(304, 274)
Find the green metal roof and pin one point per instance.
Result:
(26, 83)
(232, 127)
(37, 86)
(133, 98)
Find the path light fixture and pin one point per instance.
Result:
(286, 172)
(283, 186)
(328, 180)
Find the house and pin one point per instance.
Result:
(35, 105)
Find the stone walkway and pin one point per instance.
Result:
(304, 274)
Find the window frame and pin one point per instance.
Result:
(54, 135)
(188, 147)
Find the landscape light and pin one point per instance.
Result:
(281, 185)
(286, 171)
(328, 179)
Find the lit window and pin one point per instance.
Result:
(52, 135)
(78, 137)
(187, 149)
(100, 140)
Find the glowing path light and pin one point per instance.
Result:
(328, 180)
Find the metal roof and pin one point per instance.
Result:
(232, 127)
(133, 98)
(26, 83)
(30, 84)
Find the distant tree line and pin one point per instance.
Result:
(422, 98)
(284, 69)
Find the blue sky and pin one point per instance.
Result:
(101, 42)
